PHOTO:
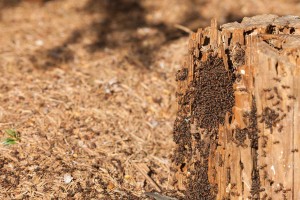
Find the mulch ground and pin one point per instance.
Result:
(90, 87)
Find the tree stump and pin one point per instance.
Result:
(238, 122)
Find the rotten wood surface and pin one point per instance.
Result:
(250, 150)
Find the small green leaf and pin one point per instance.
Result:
(9, 141)
(14, 137)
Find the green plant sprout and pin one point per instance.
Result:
(14, 137)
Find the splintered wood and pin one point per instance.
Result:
(238, 126)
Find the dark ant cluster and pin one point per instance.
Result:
(182, 74)
(252, 132)
(199, 189)
(270, 117)
(199, 185)
(253, 136)
(182, 137)
(213, 92)
(182, 132)
(240, 137)
(209, 96)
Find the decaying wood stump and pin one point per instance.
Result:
(238, 123)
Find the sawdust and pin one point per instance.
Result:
(92, 116)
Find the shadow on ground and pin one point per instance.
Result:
(123, 24)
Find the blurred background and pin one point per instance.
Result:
(90, 85)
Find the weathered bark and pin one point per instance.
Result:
(238, 126)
